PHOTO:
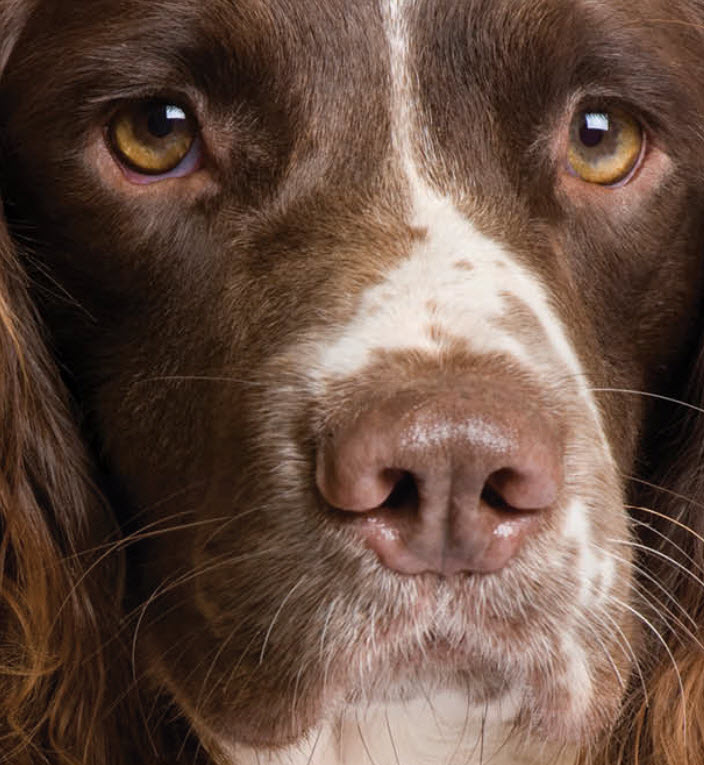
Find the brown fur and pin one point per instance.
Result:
(53, 614)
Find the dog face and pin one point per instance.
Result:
(348, 292)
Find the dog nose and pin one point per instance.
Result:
(444, 483)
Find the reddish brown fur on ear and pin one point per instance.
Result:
(52, 607)
(677, 713)
(58, 601)
(668, 729)
(662, 721)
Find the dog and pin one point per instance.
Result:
(382, 324)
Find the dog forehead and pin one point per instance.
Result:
(309, 39)
(469, 88)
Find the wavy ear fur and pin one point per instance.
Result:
(669, 725)
(57, 611)
(662, 722)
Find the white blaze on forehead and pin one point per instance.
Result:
(455, 282)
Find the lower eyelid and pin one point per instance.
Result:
(189, 164)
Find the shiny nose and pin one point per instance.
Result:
(444, 483)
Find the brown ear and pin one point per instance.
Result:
(58, 600)
(663, 717)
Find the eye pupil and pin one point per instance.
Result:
(163, 119)
(593, 129)
(158, 122)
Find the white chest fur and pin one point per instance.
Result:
(437, 731)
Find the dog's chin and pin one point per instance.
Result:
(456, 685)
(386, 640)
(425, 703)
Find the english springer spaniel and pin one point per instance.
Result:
(382, 325)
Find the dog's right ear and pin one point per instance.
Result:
(59, 588)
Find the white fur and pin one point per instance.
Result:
(589, 566)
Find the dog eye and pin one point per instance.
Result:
(154, 138)
(605, 147)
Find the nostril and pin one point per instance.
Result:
(533, 487)
(405, 495)
(446, 484)
(491, 496)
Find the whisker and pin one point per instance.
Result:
(656, 396)
(296, 686)
(661, 610)
(643, 572)
(482, 733)
(198, 378)
(672, 543)
(201, 700)
(326, 624)
(391, 738)
(675, 521)
(315, 746)
(166, 586)
(594, 634)
(363, 740)
(659, 554)
(278, 613)
(663, 490)
(667, 648)
(238, 663)
(463, 733)
(624, 642)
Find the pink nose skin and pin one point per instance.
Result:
(445, 484)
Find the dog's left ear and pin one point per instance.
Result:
(59, 600)
(663, 716)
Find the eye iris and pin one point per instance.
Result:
(604, 146)
(152, 137)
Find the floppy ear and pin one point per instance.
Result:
(663, 717)
(57, 611)
(671, 724)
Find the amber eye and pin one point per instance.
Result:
(604, 146)
(152, 137)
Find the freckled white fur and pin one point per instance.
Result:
(440, 731)
(578, 530)
(577, 679)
